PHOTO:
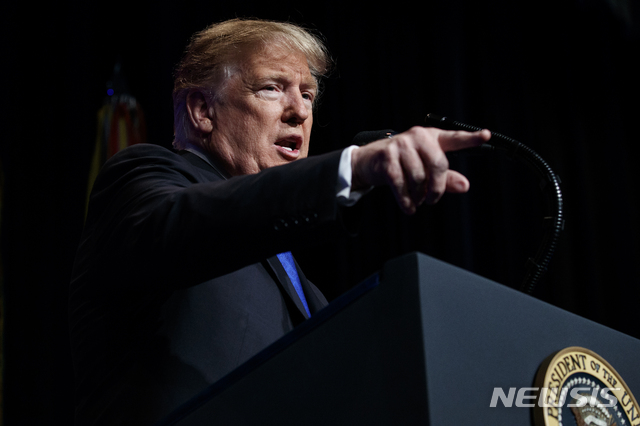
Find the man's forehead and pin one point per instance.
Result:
(277, 64)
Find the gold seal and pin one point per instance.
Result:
(577, 386)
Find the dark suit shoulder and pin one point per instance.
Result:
(144, 158)
(143, 150)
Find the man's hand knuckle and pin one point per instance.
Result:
(419, 175)
(441, 162)
(438, 162)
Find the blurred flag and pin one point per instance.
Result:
(120, 124)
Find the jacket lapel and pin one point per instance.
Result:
(285, 284)
(315, 299)
(273, 264)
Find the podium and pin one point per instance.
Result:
(420, 343)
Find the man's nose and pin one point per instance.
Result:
(298, 109)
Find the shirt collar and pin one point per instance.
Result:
(205, 156)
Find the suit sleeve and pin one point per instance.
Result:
(152, 215)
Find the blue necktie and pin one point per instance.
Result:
(287, 261)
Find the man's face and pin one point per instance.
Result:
(264, 117)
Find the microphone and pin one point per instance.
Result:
(369, 136)
(550, 186)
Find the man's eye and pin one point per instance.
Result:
(271, 91)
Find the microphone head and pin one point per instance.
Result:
(368, 136)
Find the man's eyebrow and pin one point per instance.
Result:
(310, 83)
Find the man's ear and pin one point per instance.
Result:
(200, 112)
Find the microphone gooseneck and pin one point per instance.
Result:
(554, 218)
(369, 136)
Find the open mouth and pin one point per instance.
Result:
(289, 147)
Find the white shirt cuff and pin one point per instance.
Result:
(346, 196)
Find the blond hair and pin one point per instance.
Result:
(211, 53)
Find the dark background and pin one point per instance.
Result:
(559, 76)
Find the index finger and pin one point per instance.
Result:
(453, 140)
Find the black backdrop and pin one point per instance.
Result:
(559, 76)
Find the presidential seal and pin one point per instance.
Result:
(578, 387)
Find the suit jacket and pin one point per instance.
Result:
(176, 283)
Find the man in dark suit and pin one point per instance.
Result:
(184, 270)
